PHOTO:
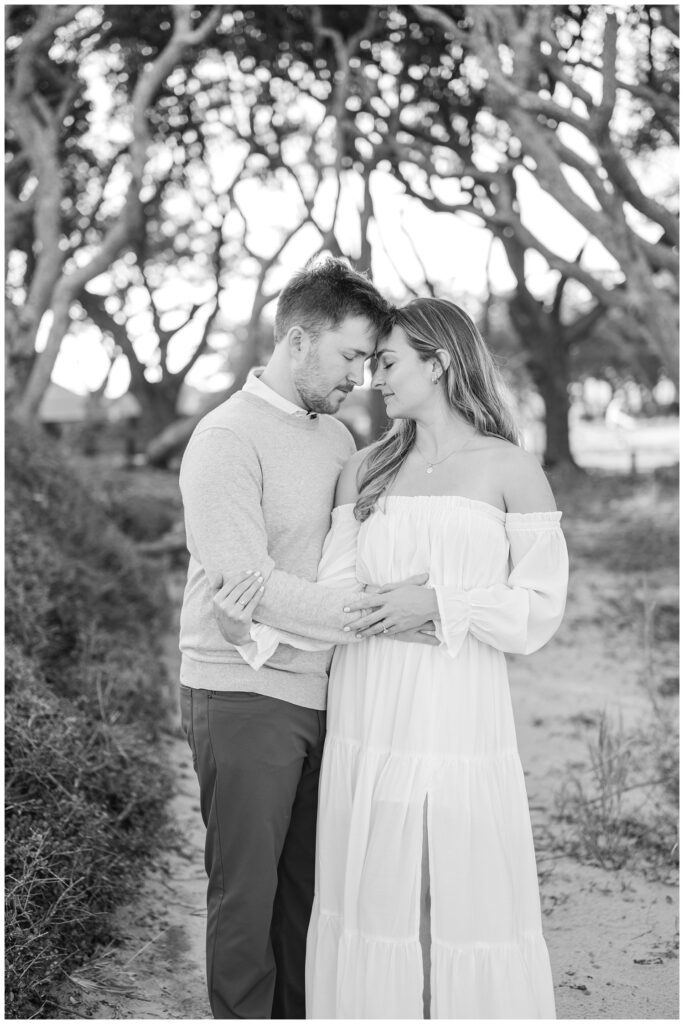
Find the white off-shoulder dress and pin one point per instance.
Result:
(416, 729)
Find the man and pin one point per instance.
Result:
(258, 480)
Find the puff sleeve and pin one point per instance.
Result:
(522, 614)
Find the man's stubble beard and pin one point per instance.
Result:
(308, 383)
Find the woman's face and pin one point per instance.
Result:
(402, 378)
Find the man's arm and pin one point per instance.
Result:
(221, 486)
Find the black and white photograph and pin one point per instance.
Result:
(341, 511)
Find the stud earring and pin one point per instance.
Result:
(435, 377)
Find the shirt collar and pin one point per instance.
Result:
(255, 386)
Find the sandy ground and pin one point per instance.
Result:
(612, 936)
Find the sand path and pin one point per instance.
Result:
(611, 935)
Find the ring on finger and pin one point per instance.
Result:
(384, 627)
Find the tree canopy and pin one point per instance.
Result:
(136, 135)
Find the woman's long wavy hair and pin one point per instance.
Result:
(471, 383)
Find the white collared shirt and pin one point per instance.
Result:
(255, 386)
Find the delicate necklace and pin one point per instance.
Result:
(437, 462)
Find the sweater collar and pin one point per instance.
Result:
(255, 386)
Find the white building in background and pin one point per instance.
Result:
(61, 406)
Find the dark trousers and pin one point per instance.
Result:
(258, 761)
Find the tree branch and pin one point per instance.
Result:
(603, 112)
(426, 277)
(50, 18)
(95, 309)
(128, 225)
(437, 16)
(580, 329)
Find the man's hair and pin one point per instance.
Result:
(322, 295)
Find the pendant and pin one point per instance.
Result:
(429, 469)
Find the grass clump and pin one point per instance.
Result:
(622, 811)
(619, 809)
(85, 685)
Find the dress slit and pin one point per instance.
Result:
(427, 897)
(425, 928)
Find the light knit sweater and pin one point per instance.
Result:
(258, 487)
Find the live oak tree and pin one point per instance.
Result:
(469, 104)
(65, 219)
(281, 111)
(577, 98)
(113, 233)
(465, 106)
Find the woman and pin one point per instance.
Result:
(422, 791)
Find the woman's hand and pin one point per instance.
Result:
(395, 608)
(234, 603)
(424, 634)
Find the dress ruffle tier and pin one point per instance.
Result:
(410, 725)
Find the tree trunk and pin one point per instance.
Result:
(365, 264)
(26, 410)
(58, 288)
(18, 363)
(158, 402)
(552, 385)
(656, 311)
(172, 441)
(22, 328)
(543, 340)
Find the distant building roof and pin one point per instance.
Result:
(60, 405)
(125, 407)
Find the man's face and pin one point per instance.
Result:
(326, 370)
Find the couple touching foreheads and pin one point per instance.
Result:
(378, 864)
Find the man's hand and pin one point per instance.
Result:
(234, 603)
(395, 608)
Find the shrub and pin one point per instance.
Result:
(622, 812)
(142, 516)
(85, 789)
(78, 595)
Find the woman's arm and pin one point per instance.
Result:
(521, 615)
